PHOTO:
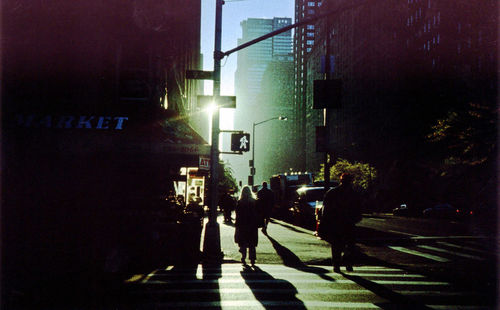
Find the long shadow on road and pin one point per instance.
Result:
(291, 260)
(394, 300)
(272, 293)
(289, 226)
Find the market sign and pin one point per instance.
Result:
(71, 121)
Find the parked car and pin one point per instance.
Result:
(307, 200)
(402, 210)
(444, 210)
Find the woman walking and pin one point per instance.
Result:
(246, 225)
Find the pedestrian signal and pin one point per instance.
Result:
(240, 142)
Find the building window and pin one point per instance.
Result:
(311, 3)
(311, 12)
(310, 27)
(310, 42)
(310, 34)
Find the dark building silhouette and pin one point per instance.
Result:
(304, 41)
(403, 65)
(92, 141)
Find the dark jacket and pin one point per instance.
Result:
(265, 201)
(341, 211)
(226, 202)
(246, 224)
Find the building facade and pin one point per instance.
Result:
(304, 41)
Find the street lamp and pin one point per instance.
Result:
(252, 162)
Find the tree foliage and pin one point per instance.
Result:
(364, 174)
(465, 137)
(227, 182)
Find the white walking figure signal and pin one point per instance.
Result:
(243, 143)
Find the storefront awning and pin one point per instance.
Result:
(157, 132)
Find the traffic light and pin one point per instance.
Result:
(240, 142)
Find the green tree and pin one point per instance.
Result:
(364, 174)
(465, 137)
(227, 182)
(464, 158)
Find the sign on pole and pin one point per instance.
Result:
(204, 163)
(224, 102)
(327, 94)
(320, 139)
(199, 75)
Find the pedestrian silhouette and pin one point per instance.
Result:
(341, 211)
(265, 203)
(246, 225)
(226, 203)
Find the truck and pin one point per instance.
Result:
(284, 187)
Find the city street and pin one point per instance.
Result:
(393, 270)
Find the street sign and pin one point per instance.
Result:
(320, 139)
(199, 75)
(240, 142)
(323, 64)
(204, 163)
(250, 180)
(327, 94)
(224, 102)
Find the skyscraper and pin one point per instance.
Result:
(304, 39)
(251, 67)
(253, 61)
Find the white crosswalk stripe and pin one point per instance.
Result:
(450, 252)
(279, 287)
(421, 254)
(443, 251)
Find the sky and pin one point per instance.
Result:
(233, 12)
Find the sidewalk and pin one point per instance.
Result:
(284, 244)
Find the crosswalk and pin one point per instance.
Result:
(232, 286)
(449, 250)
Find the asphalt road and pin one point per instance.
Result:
(395, 268)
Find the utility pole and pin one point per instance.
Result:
(325, 110)
(212, 252)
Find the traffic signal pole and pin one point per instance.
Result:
(212, 252)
